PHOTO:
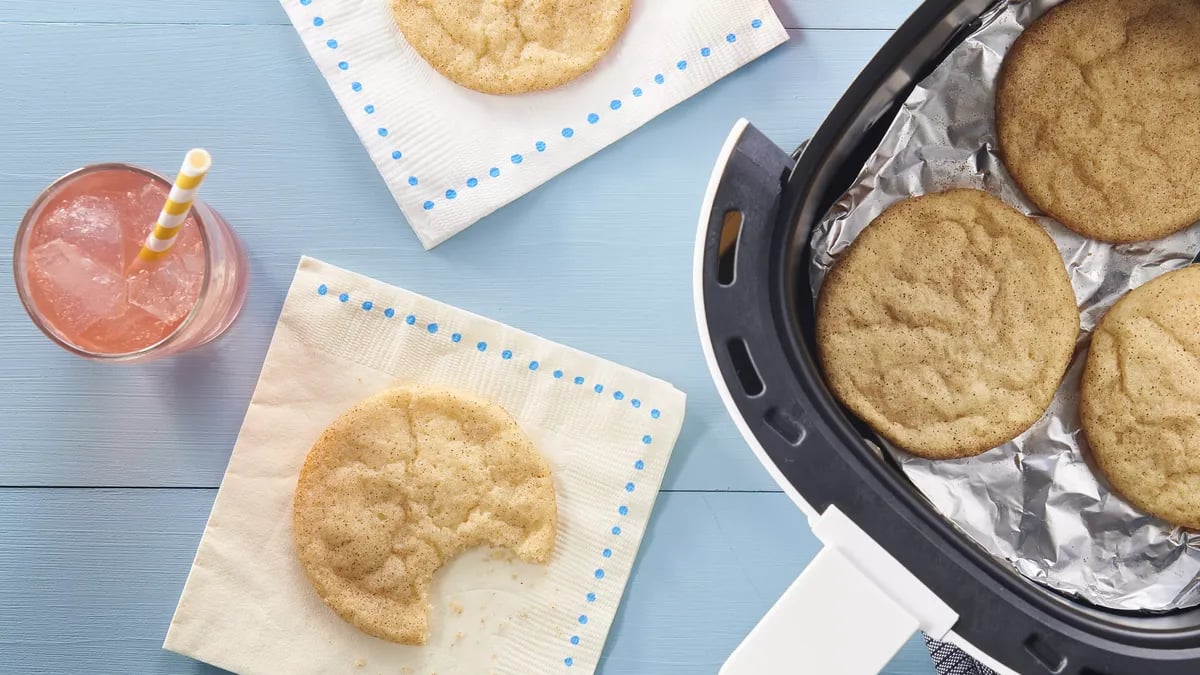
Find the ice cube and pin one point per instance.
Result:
(192, 259)
(91, 223)
(80, 291)
(164, 288)
(150, 198)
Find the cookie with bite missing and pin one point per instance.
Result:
(402, 483)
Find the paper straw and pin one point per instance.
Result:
(179, 203)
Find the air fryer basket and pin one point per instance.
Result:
(758, 310)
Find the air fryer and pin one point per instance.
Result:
(891, 565)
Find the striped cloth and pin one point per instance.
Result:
(950, 660)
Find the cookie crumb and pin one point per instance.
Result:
(456, 608)
(360, 663)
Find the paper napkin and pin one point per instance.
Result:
(450, 155)
(607, 432)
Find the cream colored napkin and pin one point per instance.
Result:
(450, 155)
(606, 430)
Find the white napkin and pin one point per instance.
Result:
(606, 430)
(451, 155)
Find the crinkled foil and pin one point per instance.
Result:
(1034, 502)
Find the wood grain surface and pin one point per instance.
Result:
(99, 519)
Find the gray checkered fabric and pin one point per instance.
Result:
(950, 660)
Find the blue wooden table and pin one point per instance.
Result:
(99, 521)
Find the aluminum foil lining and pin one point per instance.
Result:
(1035, 503)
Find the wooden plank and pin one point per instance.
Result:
(131, 12)
(843, 14)
(90, 579)
(793, 13)
(599, 259)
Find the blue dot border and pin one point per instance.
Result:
(364, 102)
(534, 366)
(530, 363)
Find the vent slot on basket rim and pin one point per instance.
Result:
(1045, 654)
(743, 365)
(786, 424)
(731, 232)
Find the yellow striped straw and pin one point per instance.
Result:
(179, 202)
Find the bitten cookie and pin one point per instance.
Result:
(404, 482)
(1096, 112)
(948, 324)
(511, 46)
(1140, 403)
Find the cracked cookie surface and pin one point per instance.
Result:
(511, 46)
(948, 324)
(1096, 115)
(402, 483)
(1140, 403)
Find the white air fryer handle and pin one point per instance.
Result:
(848, 613)
(832, 620)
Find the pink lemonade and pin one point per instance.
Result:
(77, 269)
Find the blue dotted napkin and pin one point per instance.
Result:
(450, 155)
(606, 430)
